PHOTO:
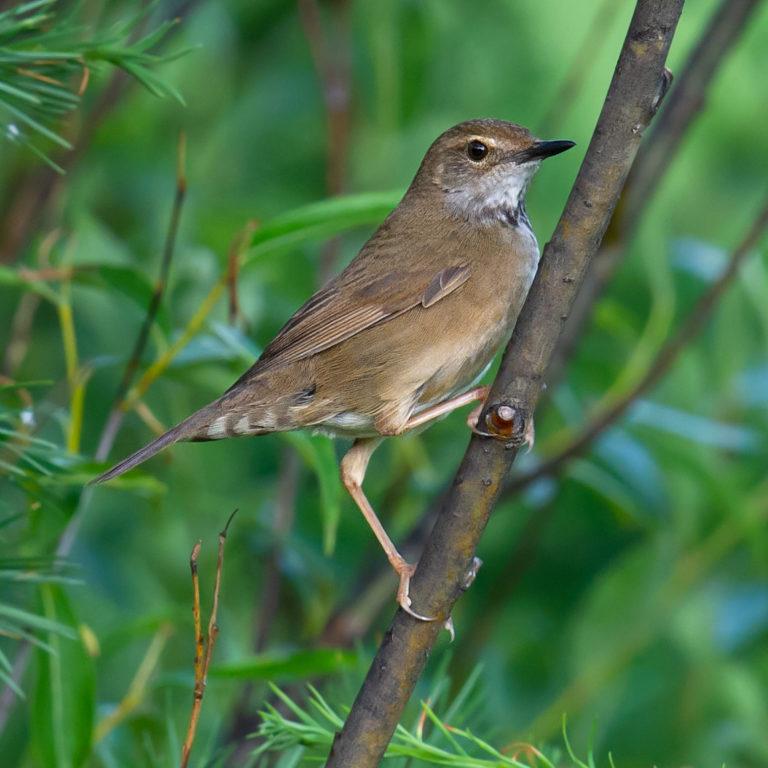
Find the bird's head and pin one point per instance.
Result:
(482, 168)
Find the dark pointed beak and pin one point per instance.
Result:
(541, 150)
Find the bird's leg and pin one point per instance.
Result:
(470, 396)
(353, 467)
(503, 423)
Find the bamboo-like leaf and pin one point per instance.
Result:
(63, 706)
(319, 220)
(318, 453)
(289, 666)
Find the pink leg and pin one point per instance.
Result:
(470, 396)
(353, 467)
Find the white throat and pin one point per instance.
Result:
(495, 196)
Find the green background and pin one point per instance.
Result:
(639, 606)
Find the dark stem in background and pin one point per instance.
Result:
(67, 538)
(686, 99)
(658, 369)
(35, 191)
(244, 719)
(631, 102)
(527, 541)
(332, 59)
(117, 413)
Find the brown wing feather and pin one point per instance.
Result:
(369, 291)
(330, 319)
(444, 282)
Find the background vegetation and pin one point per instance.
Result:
(629, 593)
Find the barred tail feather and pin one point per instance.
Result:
(189, 429)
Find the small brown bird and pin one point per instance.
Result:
(396, 338)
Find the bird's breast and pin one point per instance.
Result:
(472, 325)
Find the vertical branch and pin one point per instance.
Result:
(442, 573)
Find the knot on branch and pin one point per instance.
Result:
(664, 83)
(471, 574)
(506, 422)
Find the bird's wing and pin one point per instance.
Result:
(354, 301)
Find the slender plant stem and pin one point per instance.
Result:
(658, 369)
(203, 644)
(115, 418)
(686, 99)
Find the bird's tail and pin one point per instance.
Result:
(193, 427)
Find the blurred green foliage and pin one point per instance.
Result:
(639, 599)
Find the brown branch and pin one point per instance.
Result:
(442, 573)
(117, 413)
(203, 645)
(527, 541)
(656, 155)
(331, 57)
(660, 366)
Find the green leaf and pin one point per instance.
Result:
(130, 282)
(319, 220)
(10, 277)
(318, 453)
(63, 706)
(31, 620)
(289, 666)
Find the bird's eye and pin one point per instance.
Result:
(476, 150)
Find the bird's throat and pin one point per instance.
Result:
(497, 197)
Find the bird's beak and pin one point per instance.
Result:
(541, 150)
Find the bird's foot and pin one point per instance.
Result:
(504, 422)
(405, 571)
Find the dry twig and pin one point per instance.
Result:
(203, 645)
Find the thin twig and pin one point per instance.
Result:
(203, 645)
(655, 156)
(660, 366)
(448, 556)
(117, 413)
(240, 243)
(331, 56)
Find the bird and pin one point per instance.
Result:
(402, 335)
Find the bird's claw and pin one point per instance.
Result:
(406, 572)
